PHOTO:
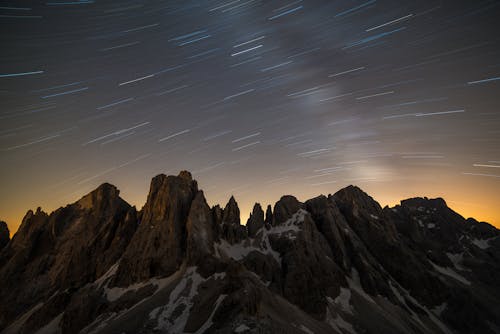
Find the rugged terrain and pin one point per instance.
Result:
(335, 264)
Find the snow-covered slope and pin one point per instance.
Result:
(336, 264)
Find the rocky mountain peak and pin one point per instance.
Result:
(424, 202)
(167, 189)
(185, 175)
(269, 215)
(285, 208)
(30, 226)
(336, 264)
(231, 227)
(103, 196)
(231, 213)
(355, 200)
(159, 245)
(256, 220)
(4, 234)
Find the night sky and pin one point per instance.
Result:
(256, 98)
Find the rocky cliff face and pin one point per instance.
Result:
(159, 245)
(4, 234)
(336, 264)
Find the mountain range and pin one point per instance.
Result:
(333, 264)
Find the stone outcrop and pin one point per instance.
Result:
(158, 247)
(255, 221)
(334, 264)
(65, 250)
(284, 209)
(232, 230)
(4, 234)
(269, 216)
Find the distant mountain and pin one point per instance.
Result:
(335, 264)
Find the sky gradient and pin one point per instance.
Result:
(256, 98)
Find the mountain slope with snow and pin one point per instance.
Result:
(335, 264)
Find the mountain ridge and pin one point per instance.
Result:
(338, 263)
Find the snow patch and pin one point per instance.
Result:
(239, 251)
(431, 225)
(218, 276)
(291, 226)
(343, 300)
(241, 328)
(402, 300)
(111, 271)
(451, 273)
(209, 321)
(115, 293)
(181, 301)
(439, 309)
(457, 260)
(482, 243)
(431, 315)
(52, 327)
(338, 323)
(355, 284)
(373, 216)
(305, 329)
(16, 325)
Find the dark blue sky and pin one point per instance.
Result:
(256, 98)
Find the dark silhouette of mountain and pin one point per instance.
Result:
(335, 264)
(4, 234)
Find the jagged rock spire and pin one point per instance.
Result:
(231, 213)
(4, 234)
(179, 266)
(232, 230)
(159, 245)
(269, 215)
(201, 234)
(256, 220)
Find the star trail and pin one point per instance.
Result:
(256, 98)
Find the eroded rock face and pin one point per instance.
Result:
(231, 213)
(336, 264)
(159, 245)
(256, 220)
(332, 224)
(285, 208)
(269, 216)
(199, 228)
(67, 249)
(378, 234)
(91, 236)
(201, 236)
(309, 273)
(4, 235)
(231, 228)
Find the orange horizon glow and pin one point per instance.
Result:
(483, 211)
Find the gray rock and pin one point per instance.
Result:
(255, 221)
(63, 251)
(333, 264)
(231, 213)
(231, 229)
(159, 245)
(285, 208)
